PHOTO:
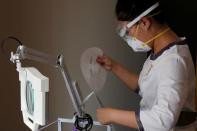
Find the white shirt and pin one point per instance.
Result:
(167, 86)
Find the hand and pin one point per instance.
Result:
(104, 115)
(121, 117)
(105, 62)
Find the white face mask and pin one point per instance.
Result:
(137, 45)
(133, 42)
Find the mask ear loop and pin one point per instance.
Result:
(136, 32)
(160, 34)
(154, 14)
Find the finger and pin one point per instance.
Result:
(100, 60)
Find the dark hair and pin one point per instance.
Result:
(127, 10)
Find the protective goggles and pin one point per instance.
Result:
(122, 30)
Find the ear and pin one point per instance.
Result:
(145, 23)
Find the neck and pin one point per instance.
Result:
(164, 40)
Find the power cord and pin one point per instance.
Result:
(3, 43)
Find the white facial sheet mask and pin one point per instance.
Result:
(94, 74)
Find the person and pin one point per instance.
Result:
(167, 81)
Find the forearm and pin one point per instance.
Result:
(127, 77)
(125, 118)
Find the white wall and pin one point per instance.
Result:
(69, 27)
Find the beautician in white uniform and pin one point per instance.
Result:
(167, 80)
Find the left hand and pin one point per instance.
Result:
(104, 115)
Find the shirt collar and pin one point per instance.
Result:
(154, 56)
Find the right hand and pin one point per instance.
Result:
(105, 62)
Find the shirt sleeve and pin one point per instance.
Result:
(171, 95)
